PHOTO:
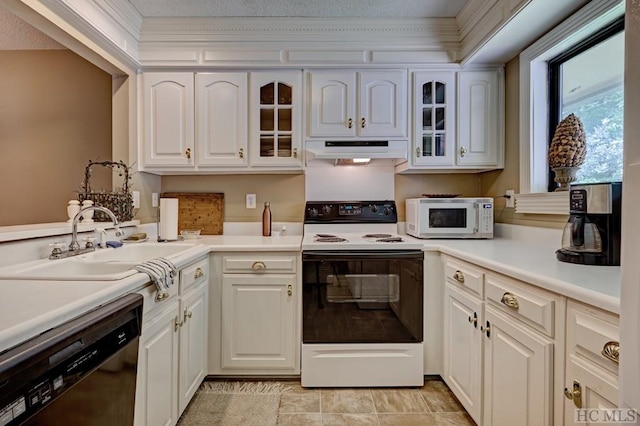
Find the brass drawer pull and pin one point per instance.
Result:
(258, 265)
(350, 123)
(188, 153)
(510, 300)
(241, 153)
(611, 351)
(418, 152)
(295, 152)
(161, 295)
(463, 151)
(363, 122)
(198, 274)
(289, 290)
(459, 276)
(177, 323)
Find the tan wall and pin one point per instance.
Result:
(284, 192)
(496, 183)
(55, 116)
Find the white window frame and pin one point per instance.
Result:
(534, 101)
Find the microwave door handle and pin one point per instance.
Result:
(476, 206)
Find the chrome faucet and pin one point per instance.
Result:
(73, 245)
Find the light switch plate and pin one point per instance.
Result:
(511, 201)
(136, 199)
(154, 200)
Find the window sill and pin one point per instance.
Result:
(23, 232)
(543, 203)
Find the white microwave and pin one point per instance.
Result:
(449, 217)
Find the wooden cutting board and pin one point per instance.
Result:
(199, 210)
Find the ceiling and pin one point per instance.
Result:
(299, 8)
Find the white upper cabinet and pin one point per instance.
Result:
(434, 118)
(275, 119)
(358, 104)
(480, 119)
(168, 120)
(221, 123)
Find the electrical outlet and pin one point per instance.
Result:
(251, 201)
(136, 199)
(154, 200)
(511, 201)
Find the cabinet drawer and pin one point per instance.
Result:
(464, 275)
(593, 334)
(259, 264)
(194, 274)
(529, 304)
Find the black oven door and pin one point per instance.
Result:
(362, 296)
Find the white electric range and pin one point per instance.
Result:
(362, 297)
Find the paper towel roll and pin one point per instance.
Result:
(168, 218)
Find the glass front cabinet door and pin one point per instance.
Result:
(276, 103)
(434, 115)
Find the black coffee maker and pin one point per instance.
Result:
(592, 234)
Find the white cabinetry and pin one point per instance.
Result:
(276, 119)
(480, 119)
(593, 344)
(434, 124)
(351, 104)
(168, 120)
(503, 346)
(173, 348)
(257, 330)
(236, 122)
(221, 123)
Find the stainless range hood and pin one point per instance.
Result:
(388, 152)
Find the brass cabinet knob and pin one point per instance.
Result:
(510, 300)
(350, 123)
(575, 395)
(188, 153)
(486, 329)
(459, 276)
(463, 151)
(474, 320)
(177, 323)
(241, 153)
(198, 274)
(611, 351)
(363, 122)
(187, 314)
(289, 290)
(258, 265)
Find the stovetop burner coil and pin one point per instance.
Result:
(330, 240)
(377, 236)
(390, 240)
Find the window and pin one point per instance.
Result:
(534, 102)
(587, 80)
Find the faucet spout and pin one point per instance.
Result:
(73, 246)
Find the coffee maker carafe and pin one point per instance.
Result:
(592, 234)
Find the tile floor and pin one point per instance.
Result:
(431, 405)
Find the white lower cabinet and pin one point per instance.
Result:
(258, 313)
(463, 348)
(518, 368)
(255, 323)
(593, 344)
(172, 355)
(503, 348)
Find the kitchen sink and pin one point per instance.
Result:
(100, 265)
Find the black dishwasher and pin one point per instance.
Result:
(82, 372)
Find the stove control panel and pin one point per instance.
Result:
(350, 212)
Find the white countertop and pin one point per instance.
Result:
(27, 308)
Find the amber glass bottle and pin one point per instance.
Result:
(266, 220)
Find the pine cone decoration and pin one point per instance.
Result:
(568, 146)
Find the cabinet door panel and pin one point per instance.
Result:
(463, 349)
(222, 124)
(258, 316)
(518, 368)
(382, 103)
(332, 104)
(193, 342)
(479, 119)
(168, 119)
(157, 384)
